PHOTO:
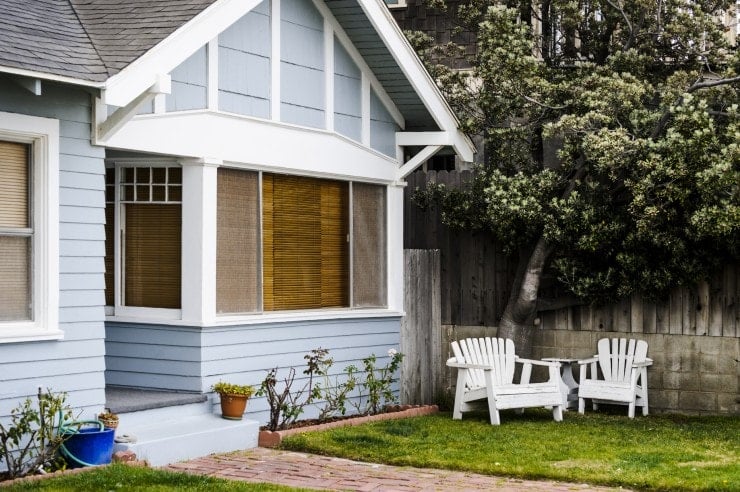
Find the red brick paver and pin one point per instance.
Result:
(327, 473)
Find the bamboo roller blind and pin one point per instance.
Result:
(153, 256)
(15, 251)
(237, 286)
(305, 250)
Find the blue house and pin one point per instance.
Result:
(201, 190)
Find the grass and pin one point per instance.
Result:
(649, 453)
(133, 478)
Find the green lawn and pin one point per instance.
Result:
(133, 478)
(654, 452)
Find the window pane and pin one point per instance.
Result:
(368, 248)
(152, 255)
(305, 255)
(237, 269)
(14, 185)
(15, 285)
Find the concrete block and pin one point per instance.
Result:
(710, 345)
(727, 364)
(690, 361)
(731, 347)
(672, 361)
(671, 380)
(546, 338)
(664, 400)
(689, 381)
(708, 363)
(727, 403)
(710, 382)
(697, 401)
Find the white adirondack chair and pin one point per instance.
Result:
(485, 370)
(623, 381)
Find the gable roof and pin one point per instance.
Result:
(126, 46)
(88, 40)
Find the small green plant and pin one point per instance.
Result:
(287, 405)
(375, 390)
(224, 388)
(334, 393)
(30, 441)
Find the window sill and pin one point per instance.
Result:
(21, 335)
(263, 318)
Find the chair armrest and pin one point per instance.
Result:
(645, 363)
(588, 361)
(538, 362)
(452, 362)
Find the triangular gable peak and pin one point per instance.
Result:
(292, 62)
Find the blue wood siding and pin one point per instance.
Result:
(76, 363)
(302, 88)
(244, 354)
(347, 94)
(244, 64)
(153, 356)
(382, 127)
(189, 83)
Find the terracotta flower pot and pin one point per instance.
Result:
(233, 406)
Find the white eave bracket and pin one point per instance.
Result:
(31, 85)
(432, 143)
(107, 125)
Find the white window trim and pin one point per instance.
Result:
(119, 309)
(43, 136)
(400, 5)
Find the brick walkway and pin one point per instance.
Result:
(321, 472)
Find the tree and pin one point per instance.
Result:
(640, 101)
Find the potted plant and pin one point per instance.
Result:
(233, 398)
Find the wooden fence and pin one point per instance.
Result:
(476, 277)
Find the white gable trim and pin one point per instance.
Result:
(125, 86)
(381, 19)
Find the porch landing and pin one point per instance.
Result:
(164, 427)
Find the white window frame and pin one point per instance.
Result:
(119, 309)
(42, 134)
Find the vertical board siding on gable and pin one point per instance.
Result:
(347, 94)
(189, 83)
(244, 354)
(302, 64)
(74, 364)
(153, 356)
(382, 127)
(244, 64)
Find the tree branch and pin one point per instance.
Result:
(619, 9)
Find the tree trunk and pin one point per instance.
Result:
(517, 322)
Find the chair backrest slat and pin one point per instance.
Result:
(509, 360)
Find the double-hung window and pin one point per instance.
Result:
(29, 238)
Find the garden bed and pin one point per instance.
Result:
(272, 439)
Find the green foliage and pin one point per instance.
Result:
(667, 452)
(287, 405)
(30, 441)
(615, 140)
(375, 391)
(136, 478)
(224, 388)
(367, 392)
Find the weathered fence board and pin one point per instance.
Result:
(420, 329)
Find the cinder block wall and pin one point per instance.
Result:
(690, 374)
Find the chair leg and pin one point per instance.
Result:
(459, 393)
(595, 406)
(581, 405)
(631, 410)
(557, 413)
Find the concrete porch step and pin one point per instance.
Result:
(176, 437)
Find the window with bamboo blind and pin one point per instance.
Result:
(305, 243)
(237, 242)
(149, 203)
(16, 232)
